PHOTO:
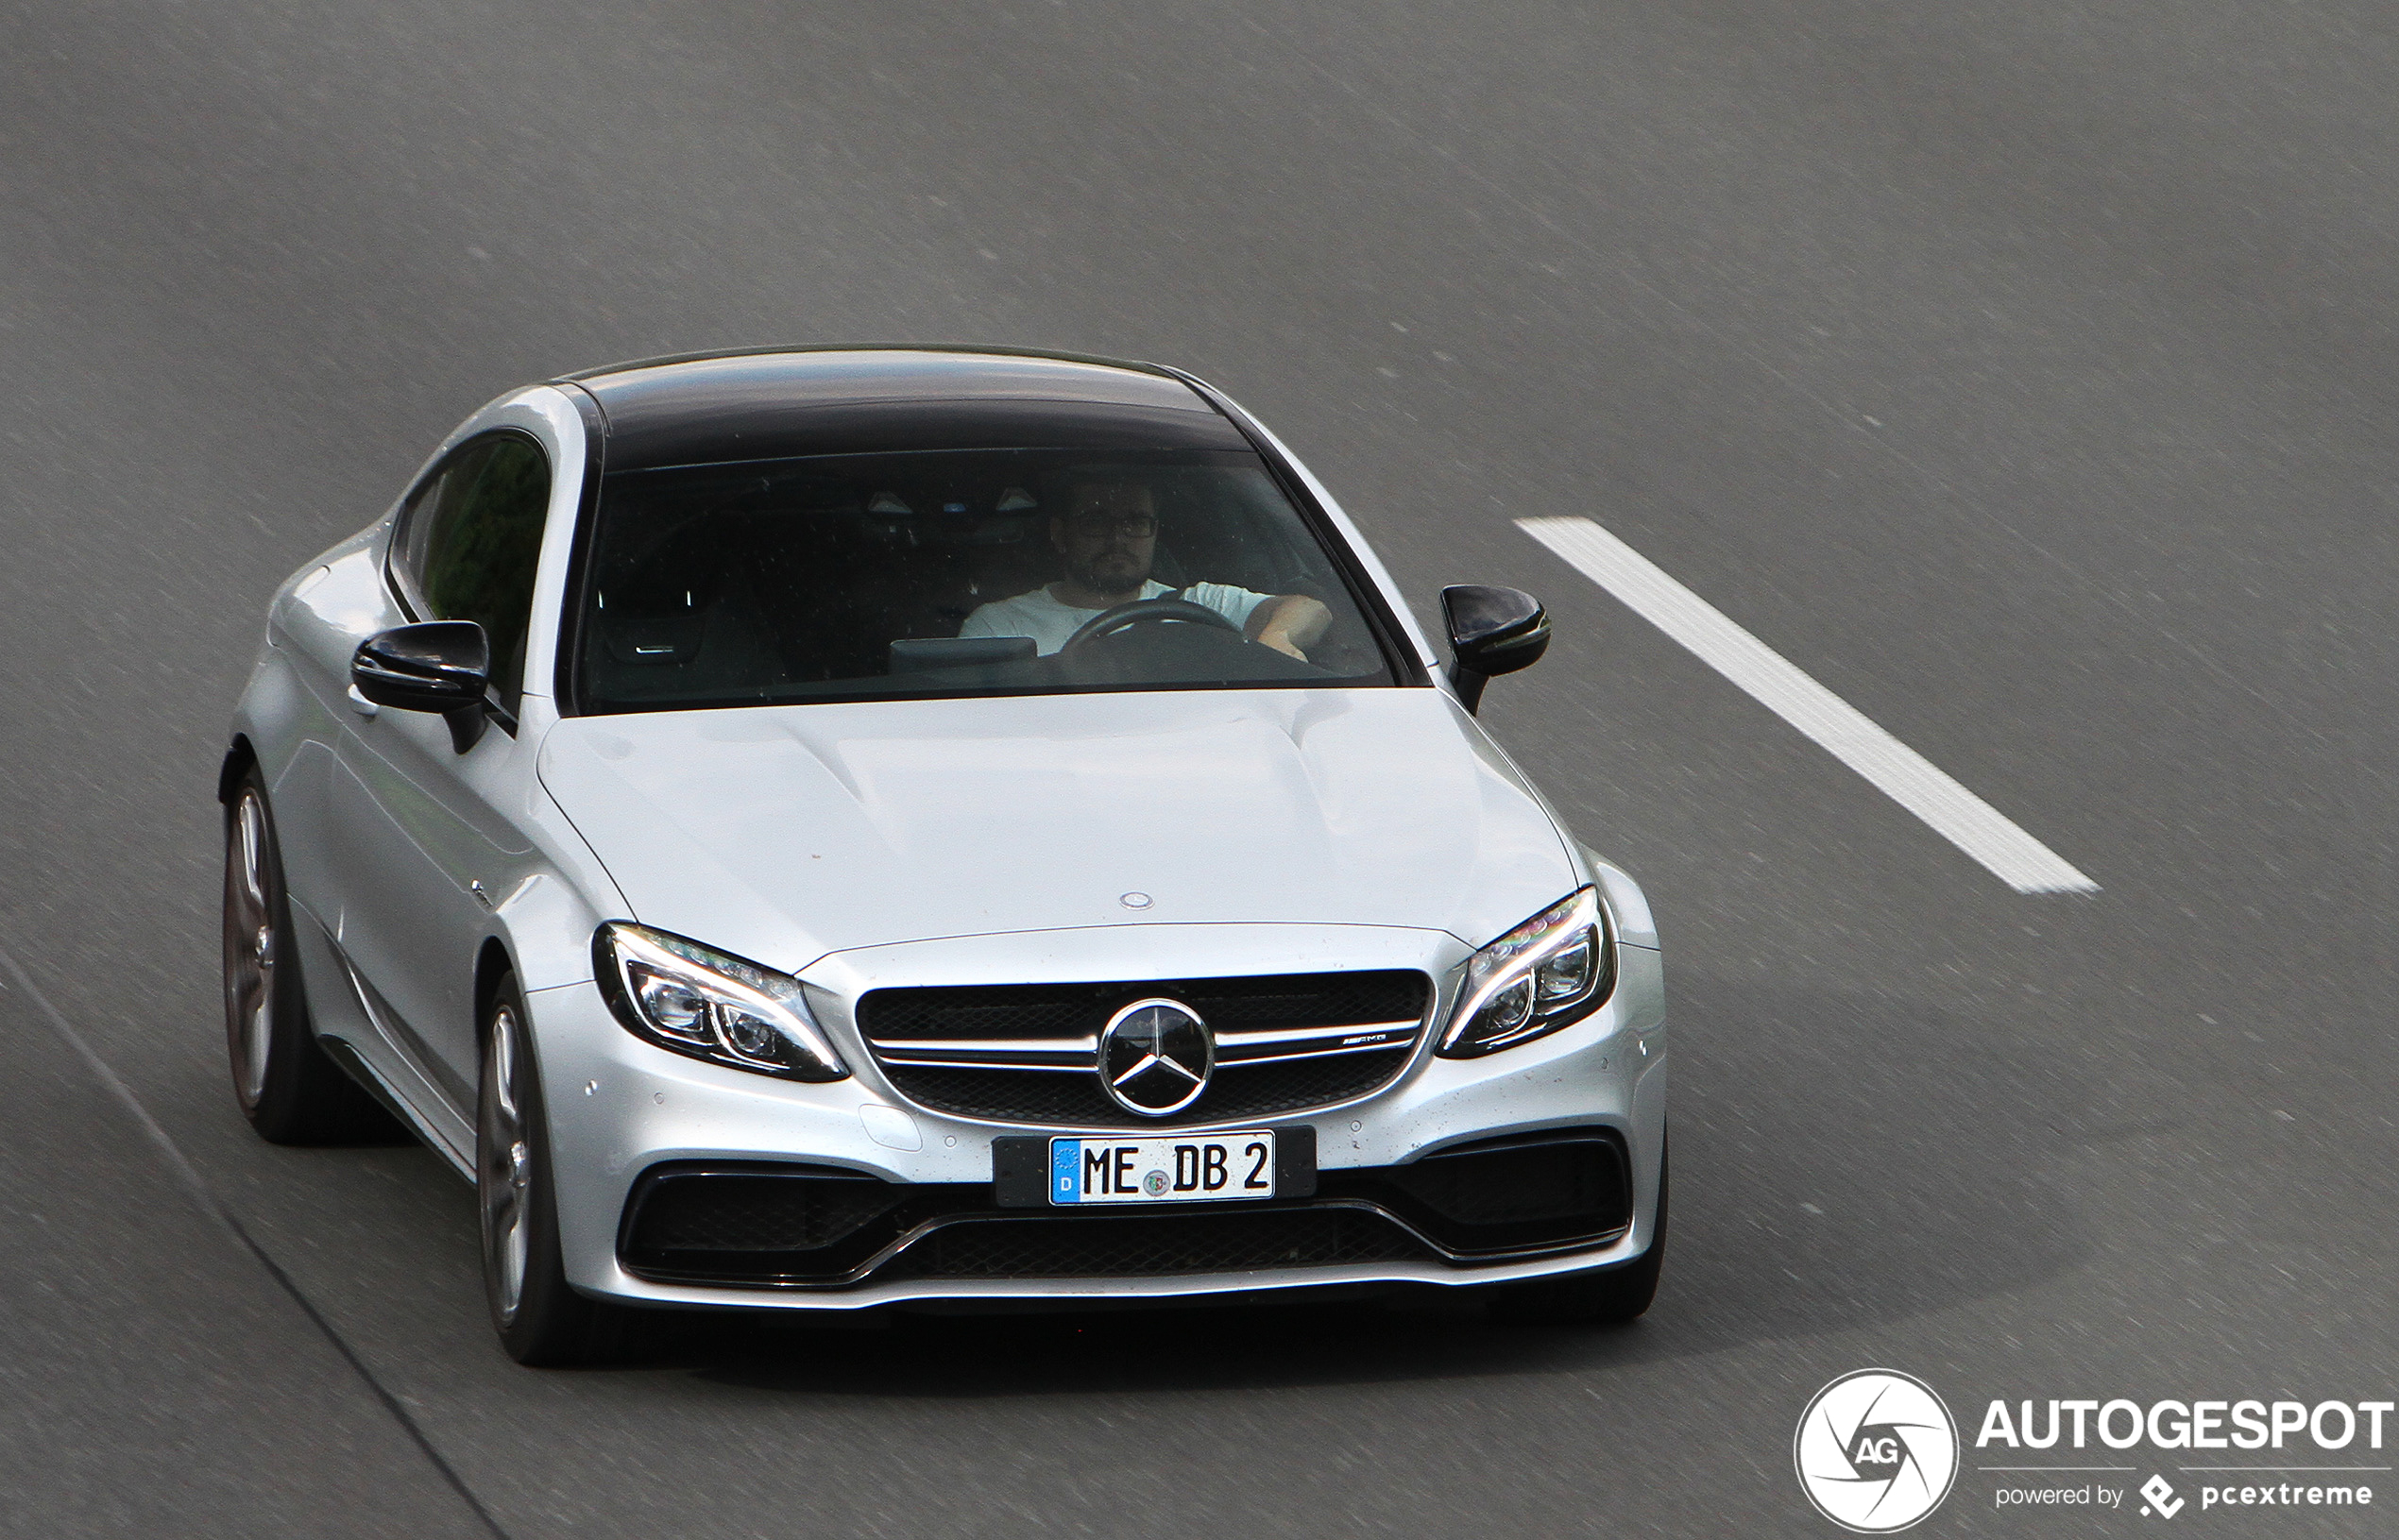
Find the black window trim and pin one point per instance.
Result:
(401, 584)
(566, 666)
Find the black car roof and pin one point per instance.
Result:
(776, 403)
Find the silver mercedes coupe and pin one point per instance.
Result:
(820, 829)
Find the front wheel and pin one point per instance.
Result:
(291, 1092)
(541, 1318)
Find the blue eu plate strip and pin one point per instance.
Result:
(1066, 1170)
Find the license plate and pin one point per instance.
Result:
(1199, 1167)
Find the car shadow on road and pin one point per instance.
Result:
(1841, 1161)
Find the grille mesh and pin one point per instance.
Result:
(1078, 1010)
(1071, 1011)
(1091, 1248)
(1074, 1099)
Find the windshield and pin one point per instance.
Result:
(959, 572)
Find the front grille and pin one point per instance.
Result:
(1026, 1053)
(1155, 1248)
(1073, 1099)
(1067, 1010)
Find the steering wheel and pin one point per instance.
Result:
(1162, 611)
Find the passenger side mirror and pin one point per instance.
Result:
(442, 665)
(1492, 631)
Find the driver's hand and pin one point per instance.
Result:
(1293, 616)
(1281, 643)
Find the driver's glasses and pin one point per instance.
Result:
(1099, 526)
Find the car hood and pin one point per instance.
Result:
(785, 833)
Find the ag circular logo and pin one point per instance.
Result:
(1875, 1450)
(1155, 1056)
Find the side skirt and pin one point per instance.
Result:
(340, 1051)
(381, 1064)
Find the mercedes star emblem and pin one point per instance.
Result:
(1155, 1056)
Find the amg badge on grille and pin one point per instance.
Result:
(1155, 1056)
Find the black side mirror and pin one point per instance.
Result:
(442, 665)
(1492, 631)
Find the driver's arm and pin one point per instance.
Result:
(1289, 623)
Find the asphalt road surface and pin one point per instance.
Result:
(2023, 370)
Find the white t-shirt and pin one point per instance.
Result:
(1050, 623)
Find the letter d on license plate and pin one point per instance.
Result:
(1198, 1168)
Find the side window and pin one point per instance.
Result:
(469, 541)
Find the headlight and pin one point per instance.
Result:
(1549, 972)
(683, 996)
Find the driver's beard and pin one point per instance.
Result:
(1116, 575)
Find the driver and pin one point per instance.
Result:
(1107, 537)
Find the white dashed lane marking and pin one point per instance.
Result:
(1849, 734)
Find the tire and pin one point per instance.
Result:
(542, 1320)
(292, 1092)
(1611, 1297)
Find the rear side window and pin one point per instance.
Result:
(469, 542)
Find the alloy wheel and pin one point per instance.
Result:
(505, 1155)
(250, 947)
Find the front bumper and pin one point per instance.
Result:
(621, 1111)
